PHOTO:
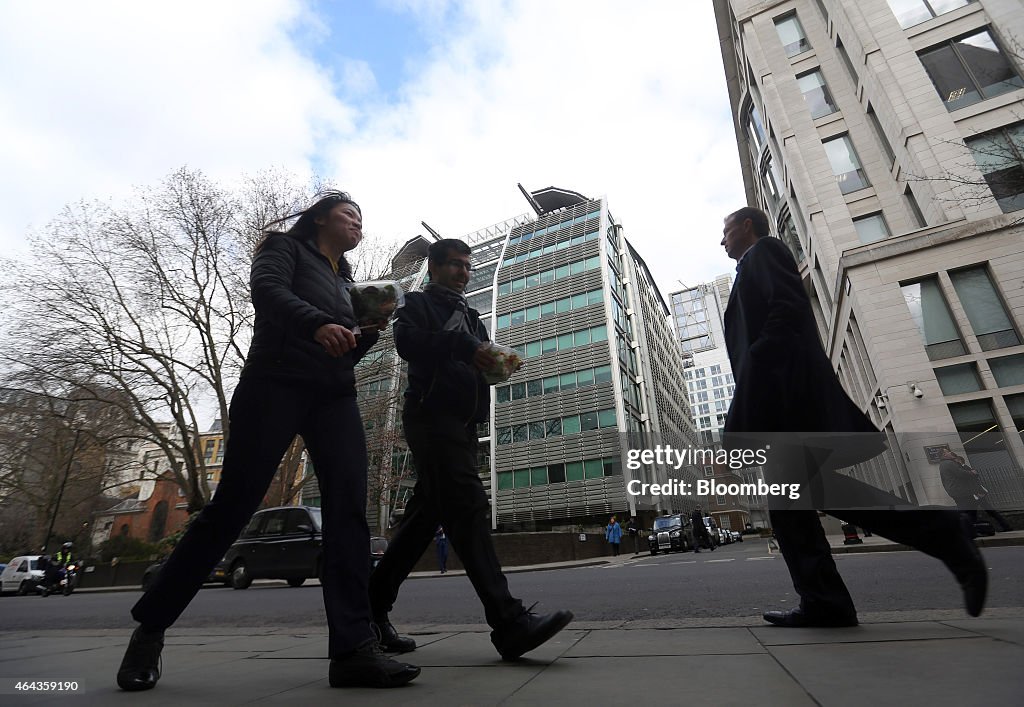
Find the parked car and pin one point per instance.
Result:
(713, 534)
(670, 533)
(378, 546)
(21, 575)
(736, 536)
(279, 543)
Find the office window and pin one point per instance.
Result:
(958, 379)
(789, 236)
(556, 473)
(980, 433)
(914, 12)
(1008, 370)
(593, 468)
(816, 94)
(929, 311)
(880, 134)
(984, 308)
(791, 34)
(1015, 403)
(847, 61)
(871, 228)
(969, 69)
(1000, 157)
(574, 471)
(915, 209)
(845, 164)
(755, 129)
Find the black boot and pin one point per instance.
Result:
(367, 666)
(527, 632)
(388, 638)
(140, 667)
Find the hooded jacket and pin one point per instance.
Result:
(295, 291)
(442, 377)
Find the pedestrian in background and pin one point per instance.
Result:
(962, 484)
(613, 534)
(298, 378)
(441, 540)
(634, 530)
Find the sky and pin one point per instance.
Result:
(424, 110)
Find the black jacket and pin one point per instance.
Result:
(295, 291)
(960, 484)
(785, 386)
(442, 377)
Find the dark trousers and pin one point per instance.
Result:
(265, 416)
(806, 550)
(448, 492)
(971, 507)
(442, 554)
(615, 549)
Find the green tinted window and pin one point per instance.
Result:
(571, 425)
(504, 480)
(565, 341)
(585, 377)
(533, 349)
(567, 381)
(606, 418)
(574, 471)
(593, 468)
(581, 337)
(551, 384)
(538, 475)
(549, 344)
(599, 333)
(522, 478)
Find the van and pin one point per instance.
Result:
(21, 575)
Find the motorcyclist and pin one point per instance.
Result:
(63, 556)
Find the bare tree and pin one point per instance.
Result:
(149, 301)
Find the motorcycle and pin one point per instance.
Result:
(66, 584)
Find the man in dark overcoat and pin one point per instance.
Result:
(789, 400)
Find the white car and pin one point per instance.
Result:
(21, 575)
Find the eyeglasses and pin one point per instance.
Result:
(459, 264)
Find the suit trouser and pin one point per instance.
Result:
(265, 416)
(806, 549)
(448, 492)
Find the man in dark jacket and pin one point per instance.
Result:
(444, 342)
(964, 487)
(788, 398)
(700, 531)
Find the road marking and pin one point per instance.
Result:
(766, 557)
(730, 559)
(684, 562)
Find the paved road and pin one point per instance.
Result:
(736, 580)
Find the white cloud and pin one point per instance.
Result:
(607, 98)
(109, 95)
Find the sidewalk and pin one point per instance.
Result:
(895, 658)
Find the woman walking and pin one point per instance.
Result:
(613, 534)
(298, 379)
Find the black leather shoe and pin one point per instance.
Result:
(796, 618)
(389, 640)
(140, 667)
(968, 566)
(367, 666)
(527, 632)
